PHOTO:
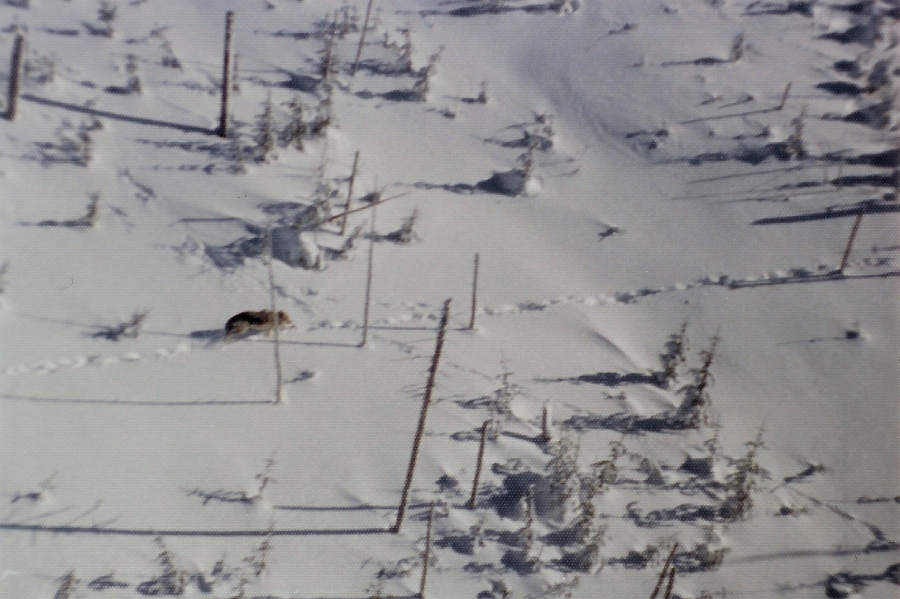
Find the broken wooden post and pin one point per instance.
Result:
(420, 429)
(15, 77)
(222, 131)
(478, 462)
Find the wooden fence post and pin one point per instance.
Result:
(427, 552)
(349, 194)
(784, 96)
(474, 294)
(420, 429)
(850, 239)
(365, 333)
(15, 77)
(546, 424)
(478, 462)
(275, 320)
(665, 570)
(222, 131)
(362, 40)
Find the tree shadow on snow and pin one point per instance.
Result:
(507, 183)
(491, 7)
(626, 423)
(609, 379)
(158, 532)
(115, 116)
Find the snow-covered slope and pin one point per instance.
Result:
(670, 180)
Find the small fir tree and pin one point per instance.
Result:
(264, 478)
(234, 151)
(265, 135)
(795, 139)
(742, 482)
(563, 470)
(675, 357)
(404, 63)
(257, 561)
(296, 128)
(67, 586)
(406, 234)
(133, 85)
(422, 86)
(694, 409)
(173, 580)
(597, 481)
(738, 47)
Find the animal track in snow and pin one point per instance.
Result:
(862, 268)
(51, 366)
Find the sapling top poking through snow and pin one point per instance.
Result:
(328, 64)
(173, 580)
(296, 129)
(795, 139)
(93, 211)
(67, 585)
(602, 474)
(406, 234)
(525, 536)
(349, 243)
(324, 112)
(265, 135)
(130, 328)
(694, 409)
(742, 482)
(4, 268)
(423, 84)
(235, 152)
(133, 85)
(235, 74)
(264, 478)
(738, 46)
(405, 61)
(40, 69)
(106, 16)
(563, 470)
(257, 560)
(675, 357)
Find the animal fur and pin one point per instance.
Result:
(255, 321)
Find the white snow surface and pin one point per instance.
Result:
(662, 199)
